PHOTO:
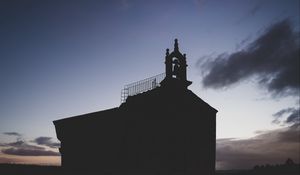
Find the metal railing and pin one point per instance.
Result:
(141, 86)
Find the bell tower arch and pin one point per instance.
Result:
(175, 63)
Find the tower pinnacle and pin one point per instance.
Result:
(176, 45)
(176, 67)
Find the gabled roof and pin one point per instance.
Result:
(86, 117)
(159, 94)
(150, 98)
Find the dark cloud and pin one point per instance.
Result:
(287, 116)
(13, 134)
(292, 135)
(23, 148)
(46, 141)
(270, 147)
(272, 59)
(18, 143)
(294, 117)
(29, 152)
(283, 111)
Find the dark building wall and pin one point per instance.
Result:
(166, 130)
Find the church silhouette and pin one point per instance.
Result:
(161, 127)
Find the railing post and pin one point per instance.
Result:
(141, 86)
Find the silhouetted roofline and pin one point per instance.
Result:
(87, 115)
(203, 101)
(147, 93)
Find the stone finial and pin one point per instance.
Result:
(176, 45)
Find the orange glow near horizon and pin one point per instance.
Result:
(32, 160)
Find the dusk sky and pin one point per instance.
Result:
(65, 58)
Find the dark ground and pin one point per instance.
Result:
(15, 169)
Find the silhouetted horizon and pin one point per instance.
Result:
(44, 170)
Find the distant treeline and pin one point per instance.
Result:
(22, 169)
(289, 167)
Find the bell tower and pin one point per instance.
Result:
(175, 68)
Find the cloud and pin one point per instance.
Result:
(250, 13)
(15, 144)
(9, 160)
(255, 9)
(272, 59)
(283, 111)
(271, 147)
(13, 134)
(294, 117)
(23, 148)
(29, 152)
(46, 141)
(291, 115)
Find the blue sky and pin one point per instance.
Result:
(65, 58)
